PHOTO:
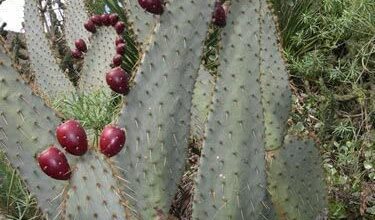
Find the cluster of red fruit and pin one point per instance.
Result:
(117, 79)
(72, 137)
(90, 25)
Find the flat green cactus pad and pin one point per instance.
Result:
(231, 182)
(296, 180)
(75, 15)
(143, 23)
(26, 127)
(157, 114)
(49, 78)
(276, 95)
(98, 59)
(94, 191)
(202, 97)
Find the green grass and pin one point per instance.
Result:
(93, 111)
(15, 200)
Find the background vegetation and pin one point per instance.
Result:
(329, 47)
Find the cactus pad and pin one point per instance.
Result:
(98, 59)
(27, 127)
(276, 95)
(75, 16)
(296, 180)
(157, 115)
(202, 97)
(94, 191)
(143, 23)
(231, 181)
(51, 81)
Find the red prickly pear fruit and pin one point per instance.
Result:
(81, 45)
(118, 80)
(219, 17)
(112, 140)
(72, 137)
(90, 26)
(120, 49)
(117, 60)
(113, 19)
(119, 40)
(152, 6)
(97, 20)
(119, 27)
(54, 163)
(105, 19)
(77, 54)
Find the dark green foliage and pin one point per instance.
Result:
(329, 46)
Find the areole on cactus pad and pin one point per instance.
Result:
(249, 168)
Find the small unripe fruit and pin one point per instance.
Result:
(105, 19)
(113, 19)
(152, 6)
(77, 54)
(219, 17)
(119, 40)
(112, 140)
(118, 80)
(72, 137)
(81, 45)
(120, 49)
(54, 163)
(119, 27)
(97, 20)
(90, 26)
(117, 60)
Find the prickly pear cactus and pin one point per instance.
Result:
(248, 123)
(248, 169)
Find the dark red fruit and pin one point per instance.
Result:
(114, 19)
(72, 137)
(152, 6)
(77, 54)
(90, 26)
(120, 49)
(97, 20)
(112, 140)
(119, 40)
(118, 80)
(219, 17)
(117, 60)
(81, 45)
(54, 163)
(105, 19)
(119, 27)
